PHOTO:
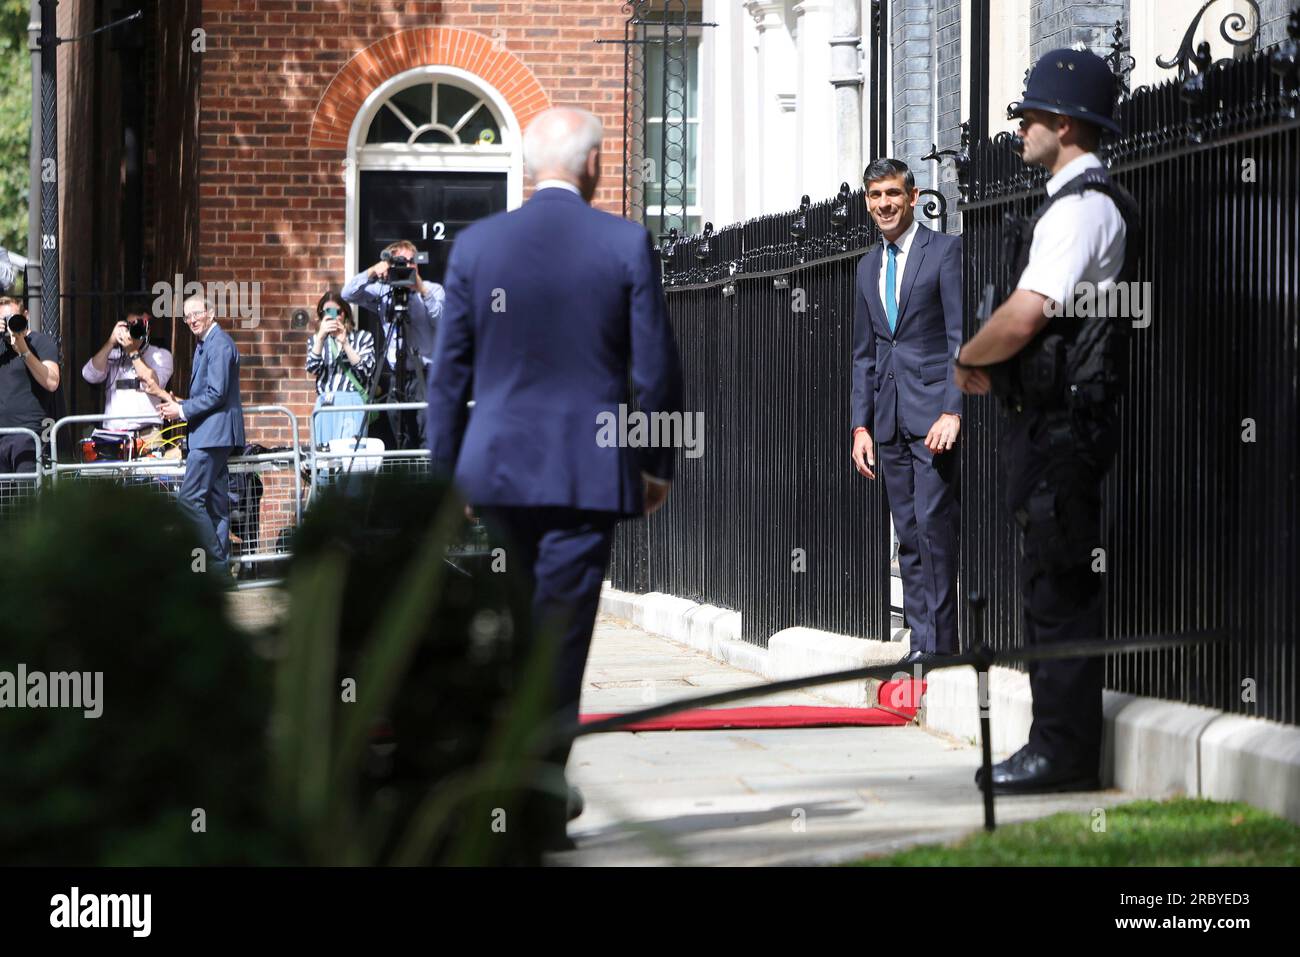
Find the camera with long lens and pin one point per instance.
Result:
(15, 323)
(137, 329)
(401, 269)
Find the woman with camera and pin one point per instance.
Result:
(342, 358)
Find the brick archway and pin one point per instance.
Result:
(410, 49)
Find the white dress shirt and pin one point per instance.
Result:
(904, 243)
(558, 184)
(1080, 239)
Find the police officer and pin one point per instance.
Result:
(1058, 368)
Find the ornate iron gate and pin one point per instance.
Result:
(659, 31)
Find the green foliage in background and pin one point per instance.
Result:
(15, 123)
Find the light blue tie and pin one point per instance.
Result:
(891, 287)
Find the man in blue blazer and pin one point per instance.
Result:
(907, 324)
(214, 428)
(549, 308)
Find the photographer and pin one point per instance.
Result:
(373, 290)
(29, 378)
(342, 358)
(134, 374)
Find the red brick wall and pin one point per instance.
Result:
(281, 81)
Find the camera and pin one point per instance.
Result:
(137, 329)
(401, 269)
(15, 323)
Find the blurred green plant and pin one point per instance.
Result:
(435, 760)
(98, 579)
(397, 720)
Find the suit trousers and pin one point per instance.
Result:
(924, 501)
(205, 498)
(555, 561)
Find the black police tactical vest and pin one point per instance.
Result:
(1075, 361)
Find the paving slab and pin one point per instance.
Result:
(780, 796)
(767, 797)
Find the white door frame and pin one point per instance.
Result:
(506, 158)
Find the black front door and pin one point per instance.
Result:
(428, 208)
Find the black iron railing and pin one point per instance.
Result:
(1201, 530)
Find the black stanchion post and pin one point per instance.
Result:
(977, 604)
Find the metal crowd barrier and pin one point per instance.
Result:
(336, 466)
(268, 485)
(17, 487)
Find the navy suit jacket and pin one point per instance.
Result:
(906, 375)
(549, 308)
(213, 414)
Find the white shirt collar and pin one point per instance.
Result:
(1072, 169)
(558, 184)
(208, 331)
(904, 242)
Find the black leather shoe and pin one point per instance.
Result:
(576, 803)
(1028, 772)
(911, 658)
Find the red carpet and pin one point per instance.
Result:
(897, 704)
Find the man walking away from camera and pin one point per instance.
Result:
(549, 307)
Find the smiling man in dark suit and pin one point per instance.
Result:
(214, 420)
(906, 409)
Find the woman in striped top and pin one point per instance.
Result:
(342, 358)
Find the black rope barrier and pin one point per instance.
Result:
(981, 657)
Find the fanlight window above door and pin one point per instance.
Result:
(435, 114)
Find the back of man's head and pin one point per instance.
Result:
(557, 143)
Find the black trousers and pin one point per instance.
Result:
(17, 453)
(1056, 464)
(403, 429)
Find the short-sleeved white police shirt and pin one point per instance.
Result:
(1079, 239)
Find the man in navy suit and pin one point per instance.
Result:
(907, 325)
(214, 428)
(549, 308)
